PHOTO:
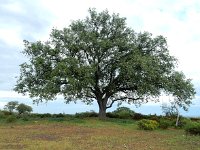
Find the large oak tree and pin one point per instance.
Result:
(101, 59)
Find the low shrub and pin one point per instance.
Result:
(57, 119)
(123, 113)
(193, 128)
(164, 123)
(153, 117)
(86, 114)
(139, 116)
(46, 115)
(2, 116)
(25, 117)
(11, 119)
(183, 122)
(34, 115)
(112, 115)
(60, 115)
(6, 113)
(146, 124)
(195, 119)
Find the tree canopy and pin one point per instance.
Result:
(11, 106)
(100, 59)
(23, 108)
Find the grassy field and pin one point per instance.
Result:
(91, 134)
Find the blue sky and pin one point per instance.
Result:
(177, 20)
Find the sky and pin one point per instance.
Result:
(177, 20)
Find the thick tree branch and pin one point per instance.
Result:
(123, 98)
(111, 104)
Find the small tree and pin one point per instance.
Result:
(11, 106)
(172, 110)
(169, 110)
(22, 109)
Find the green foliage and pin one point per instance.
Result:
(123, 110)
(193, 128)
(57, 119)
(183, 122)
(6, 113)
(2, 115)
(10, 106)
(86, 114)
(22, 109)
(148, 124)
(111, 115)
(120, 121)
(165, 123)
(11, 119)
(195, 119)
(99, 58)
(152, 117)
(60, 115)
(45, 115)
(123, 113)
(25, 117)
(169, 110)
(139, 116)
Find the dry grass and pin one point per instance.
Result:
(92, 134)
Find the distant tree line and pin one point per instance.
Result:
(20, 108)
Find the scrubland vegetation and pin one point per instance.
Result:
(123, 129)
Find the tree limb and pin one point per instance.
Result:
(112, 103)
(123, 98)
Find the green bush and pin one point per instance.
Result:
(164, 123)
(195, 119)
(60, 115)
(148, 124)
(11, 119)
(123, 113)
(6, 113)
(183, 122)
(86, 114)
(193, 128)
(2, 115)
(46, 115)
(112, 115)
(152, 117)
(139, 116)
(57, 119)
(25, 117)
(34, 115)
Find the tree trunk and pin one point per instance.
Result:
(102, 109)
(177, 119)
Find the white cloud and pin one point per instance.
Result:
(2, 104)
(15, 7)
(11, 94)
(11, 36)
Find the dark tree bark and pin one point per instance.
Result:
(102, 108)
